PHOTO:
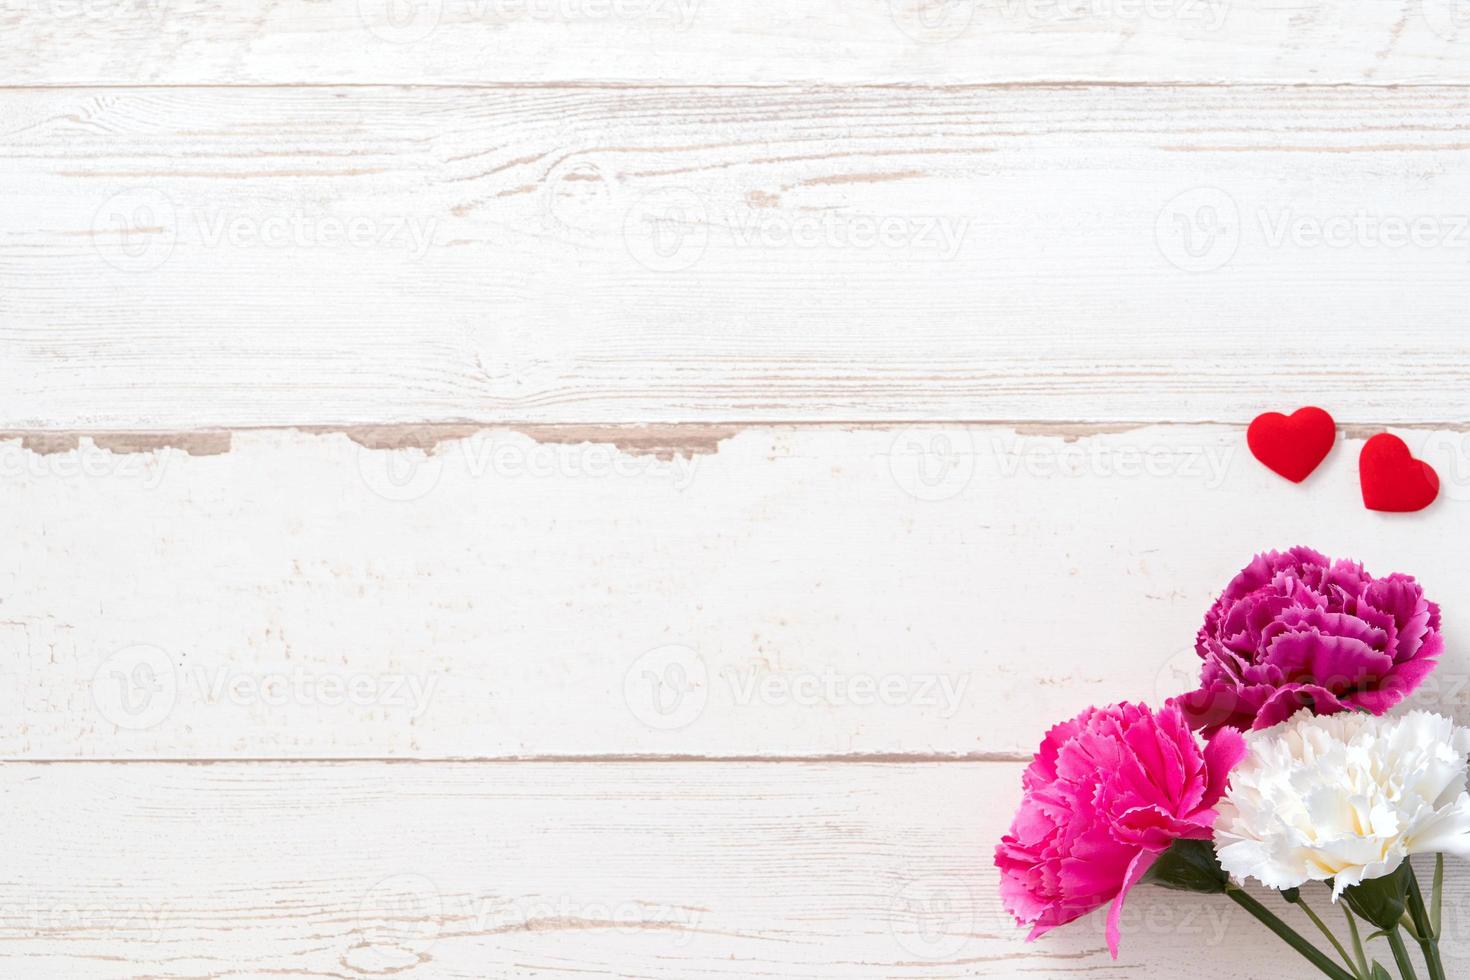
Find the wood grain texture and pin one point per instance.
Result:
(125, 42)
(462, 872)
(183, 259)
(702, 634)
(788, 592)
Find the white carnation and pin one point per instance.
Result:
(1347, 797)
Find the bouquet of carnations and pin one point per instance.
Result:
(1283, 767)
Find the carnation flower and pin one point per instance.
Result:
(1348, 798)
(1107, 793)
(1299, 630)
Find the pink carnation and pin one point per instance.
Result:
(1107, 793)
(1299, 630)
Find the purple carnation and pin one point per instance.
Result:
(1298, 630)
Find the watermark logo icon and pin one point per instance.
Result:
(1177, 677)
(1449, 454)
(933, 918)
(401, 21)
(136, 230)
(932, 21)
(1199, 230)
(1450, 19)
(932, 464)
(136, 687)
(399, 475)
(667, 230)
(667, 687)
(398, 920)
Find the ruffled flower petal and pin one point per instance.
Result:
(1348, 797)
(1295, 629)
(1136, 870)
(1107, 793)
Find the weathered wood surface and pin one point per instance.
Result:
(685, 453)
(254, 42)
(184, 259)
(462, 872)
(782, 591)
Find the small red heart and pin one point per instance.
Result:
(1393, 480)
(1292, 446)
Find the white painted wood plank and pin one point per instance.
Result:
(55, 42)
(664, 871)
(185, 259)
(798, 591)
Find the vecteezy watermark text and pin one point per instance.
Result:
(411, 474)
(940, 21)
(300, 687)
(102, 10)
(937, 235)
(411, 21)
(138, 687)
(412, 234)
(138, 229)
(669, 688)
(670, 229)
(137, 919)
(807, 689)
(87, 461)
(401, 917)
(1203, 229)
(1050, 457)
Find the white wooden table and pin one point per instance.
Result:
(620, 487)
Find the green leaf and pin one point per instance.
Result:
(1379, 973)
(1189, 866)
(1381, 900)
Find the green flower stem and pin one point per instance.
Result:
(1290, 936)
(1357, 941)
(1302, 902)
(1424, 927)
(1435, 902)
(1401, 955)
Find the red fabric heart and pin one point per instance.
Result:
(1292, 445)
(1393, 480)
